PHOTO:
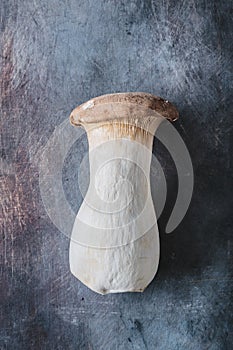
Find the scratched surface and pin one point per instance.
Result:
(56, 54)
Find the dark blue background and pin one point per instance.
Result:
(57, 54)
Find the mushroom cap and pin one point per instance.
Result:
(111, 107)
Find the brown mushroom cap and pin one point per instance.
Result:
(107, 108)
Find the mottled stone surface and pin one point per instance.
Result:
(58, 54)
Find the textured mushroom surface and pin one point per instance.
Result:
(115, 241)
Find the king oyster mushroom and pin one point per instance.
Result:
(114, 244)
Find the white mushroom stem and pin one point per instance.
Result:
(114, 245)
